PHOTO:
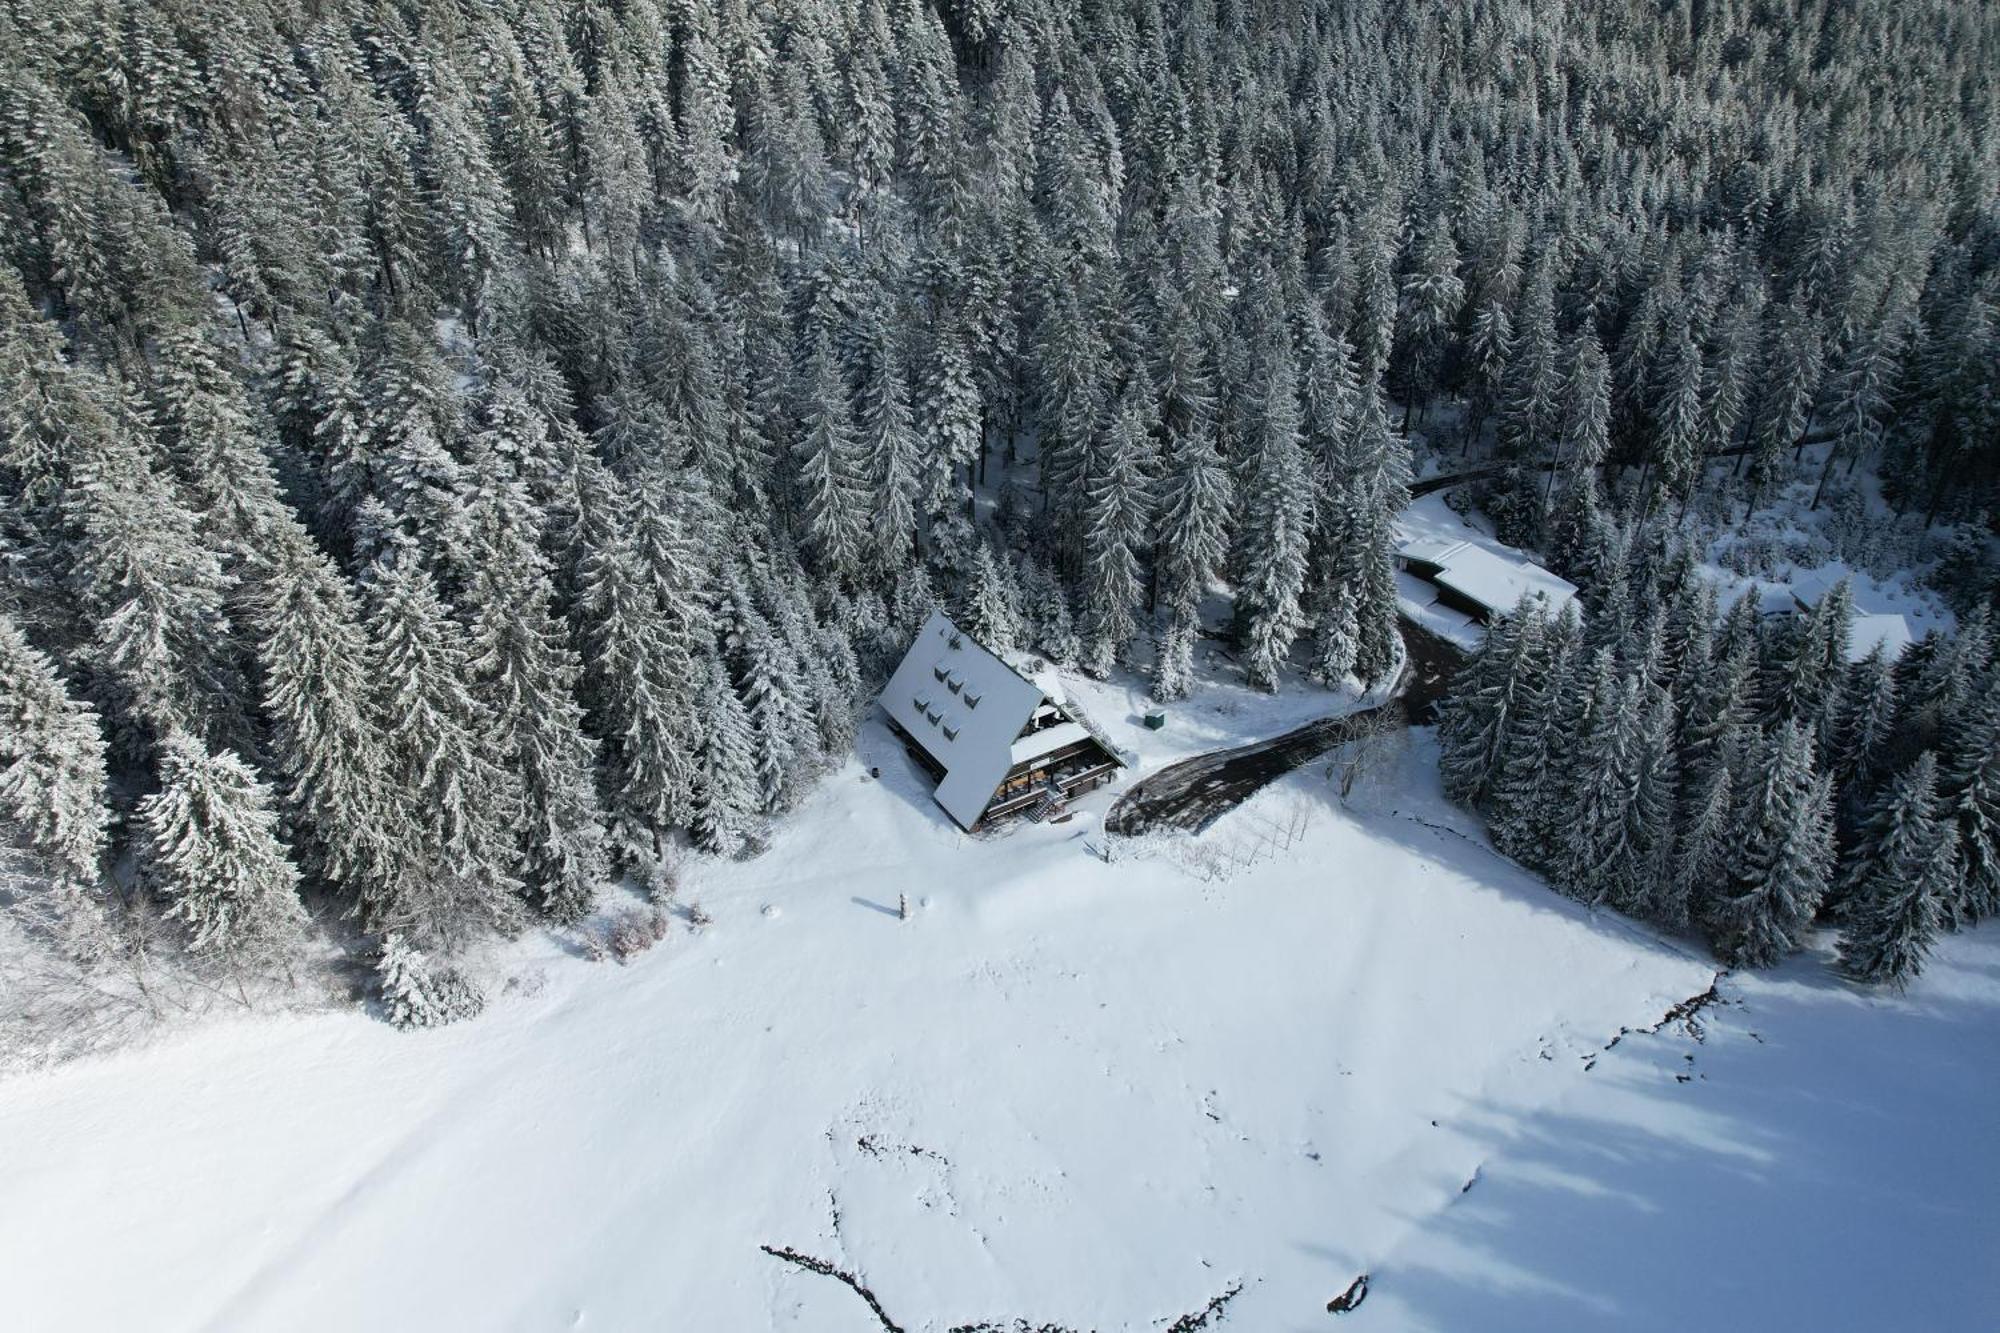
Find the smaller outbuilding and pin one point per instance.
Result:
(1479, 581)
(994, 743)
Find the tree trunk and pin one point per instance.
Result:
(1832, 453)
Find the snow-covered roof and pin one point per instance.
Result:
(1047, 741)
(1479, 568)
(1893, 632)
(965, 707)
(1497, 582)
(1429, 550)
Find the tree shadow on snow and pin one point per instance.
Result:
(1818, 1159)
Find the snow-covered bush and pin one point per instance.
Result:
(417, 994)
(635, 930)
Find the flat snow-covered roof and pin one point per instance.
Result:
(1894, 632)
(1429, 550)
(1047, 741)
(1499, 581)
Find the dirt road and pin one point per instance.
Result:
(1194, 793)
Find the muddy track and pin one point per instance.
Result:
(1194, 793)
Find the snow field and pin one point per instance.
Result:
(1070, 1091)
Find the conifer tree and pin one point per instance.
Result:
(325, 743)
(1782, 854)
(635, 671)
(210, 845)
(1595, 858)
(835, 511)
(1969, 792)
(726, 795)
(989, 613)
(888, 449)
(1701, 851)
(455, 870)
(1904, 869)
(1118, 517)
(52, 790)
(778, 719)
(1276, 528)
(526, 674)
(418, 993)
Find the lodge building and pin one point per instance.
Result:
(994, 743)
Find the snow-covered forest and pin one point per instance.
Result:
(457, 455)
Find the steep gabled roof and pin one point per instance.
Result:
(965, 707)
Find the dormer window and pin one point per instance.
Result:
(971, 699)
(933, 714)
(940, 671)
(922, 702)
(951, 730)
(954, 683)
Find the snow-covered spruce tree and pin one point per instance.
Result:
(1677, 417)
(324, 743)
(1938, 679)
(952, 413)
(636, 669)
(417, 993)
(1381, 462)
(1580, 445)
(889, 447)
(525, 673)
(1701, 851)
(1527, 806)
(1118, 517)
(988, 611)
(726, 794)
(163, 646)
(455, 869)
(1807, 663)
(1046, 602)
(1793, 365)
(209, 845)
(212, 438)
(1477, 720)
(1432, 295)
(1903, 870)
(1643, 886)
(52, 793)
(1192, 538)
(1969, 799)
(781, 731)
(830, 467)
(1530, 392)
(1277, 518)
(1719, 715)
(1781, 857)
(1595, 857)
(1866, 719)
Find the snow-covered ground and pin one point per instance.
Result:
(1820, 1158)
(1095, 1094)
(1088, 1093)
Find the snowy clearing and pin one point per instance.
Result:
(1067, 1091)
